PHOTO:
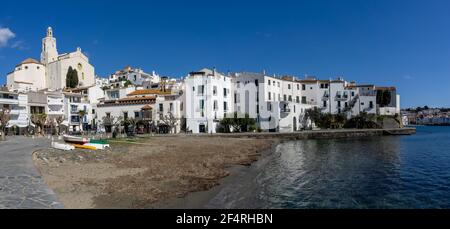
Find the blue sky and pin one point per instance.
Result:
(404, 43)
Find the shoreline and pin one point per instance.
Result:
(212, 199)
(225, 182)
(316, 134)
(206, 199)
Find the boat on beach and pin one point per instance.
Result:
(99, 141)
(98, 146)
(76, 140)
(78, 146)
(62, 146)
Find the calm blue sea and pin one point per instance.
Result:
(381, 172)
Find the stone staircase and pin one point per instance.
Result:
(352, 104)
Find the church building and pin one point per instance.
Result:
(50, 73)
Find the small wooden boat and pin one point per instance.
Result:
(74, 139)
(84, 147)
(98, 146)
(99, 141)
(62, 146)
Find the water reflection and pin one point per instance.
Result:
(330, 173)
(376, 172)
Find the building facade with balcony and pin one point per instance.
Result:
(16, 105)
(78, 111)
(136, 76)
(207, 98)
(275, 103)
(139, 108)
(55, 105)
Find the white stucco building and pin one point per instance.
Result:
(208, 98)
(136, 76)
(16, 104)
(29, 75)
(274, 102)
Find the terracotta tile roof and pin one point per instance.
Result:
(150, 92)
(147, 107)
(386, 88)
(288, 78)
(138, 98)
(29, 61)
(146, 100)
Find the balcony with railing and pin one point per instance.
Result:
(284, 107)
(55, 101)
(340, 97)
(75, 120)
(309, 102)
(9, 101)
(72, 111)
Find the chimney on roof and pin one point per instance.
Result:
(264, 72)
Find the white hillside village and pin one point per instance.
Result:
(61, 93)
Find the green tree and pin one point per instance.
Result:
(72, 78)
(128, 83)
(244, 124)
(59, 120)
(326, 120)
(69, 78)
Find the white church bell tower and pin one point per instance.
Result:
(49, 52)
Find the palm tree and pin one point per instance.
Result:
(39, 120)
(59, 120)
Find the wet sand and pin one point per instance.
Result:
(234, 192)
(156, 172)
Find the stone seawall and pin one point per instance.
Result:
(320, 134)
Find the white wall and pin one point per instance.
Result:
(33, 75)
(208, 116)
(57, 71)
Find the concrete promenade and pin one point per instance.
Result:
(319, 134)
(21, 185)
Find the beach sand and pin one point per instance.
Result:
(155, 172)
